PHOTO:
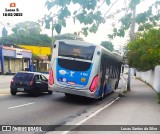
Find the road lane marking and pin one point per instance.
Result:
(90, 116)
(21, 105)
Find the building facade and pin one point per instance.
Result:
(40, 55)
(13, 60)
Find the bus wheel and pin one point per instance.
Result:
(116, 85)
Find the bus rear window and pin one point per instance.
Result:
(74, 65)
(74, 51)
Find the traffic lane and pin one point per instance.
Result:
(57, 110)
(47, 110)
(9, 100)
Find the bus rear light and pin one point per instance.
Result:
(93, 86)
(51, 79)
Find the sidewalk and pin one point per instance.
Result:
(5, 84)
(138, 107)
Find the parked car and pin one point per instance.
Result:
(29, 82)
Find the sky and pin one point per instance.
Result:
(34, 10)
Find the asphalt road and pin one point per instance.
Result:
(55, 109)
(137, 107)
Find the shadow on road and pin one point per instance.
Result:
(80, 100)
(29, 95)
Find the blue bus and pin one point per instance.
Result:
(84, 69)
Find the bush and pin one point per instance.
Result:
(143, 53)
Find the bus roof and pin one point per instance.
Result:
(115, 55)
(77, 42)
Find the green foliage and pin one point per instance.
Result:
(27, 32)
(64, 14)
(58, 28)
(126, 21)
(91, 15)
(143, 53)
(68, 36)
(133, 3)
(108, 45)
(36, 39)
(87, 14)
(4, 32)
(50, 4)
(29, 26)
(108, 2)
(145, 20)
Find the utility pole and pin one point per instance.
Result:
(132, 36)
(52, 33)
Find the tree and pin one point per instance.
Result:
(29, 26)
(68, 36)
(27, 32)
(108, 45)
(90, 14)
(37, 39)
(143, 53)
(4, 32)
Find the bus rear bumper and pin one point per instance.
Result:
(80, 92)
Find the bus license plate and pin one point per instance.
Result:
(20, 89)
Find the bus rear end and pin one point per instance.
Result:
(72, 69)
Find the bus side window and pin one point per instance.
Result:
(110, 71)
(107, 73)
(114, 70)
(117, 72)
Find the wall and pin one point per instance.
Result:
(152, 77)
(12, 59)
(38, 50)
(16, 65)
(6, 66)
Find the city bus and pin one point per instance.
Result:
(84, 69)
